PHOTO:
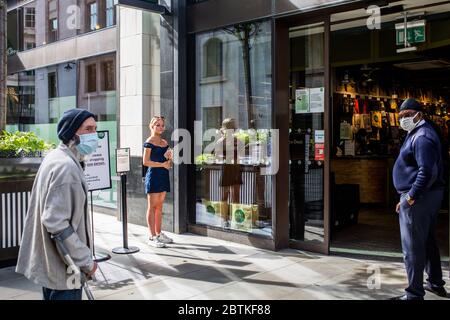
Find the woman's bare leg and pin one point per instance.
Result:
(158, 211)
(152, 202)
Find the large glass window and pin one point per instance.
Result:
(233, 104)
(91, 72)
(37, 99)
(52, 85)
(93, 19)
(62, 21)
(21, 28)
(53, 30)
(30, 17)
(109, 13)
(213, 57)
(108, 74)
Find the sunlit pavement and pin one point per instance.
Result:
(197, 267)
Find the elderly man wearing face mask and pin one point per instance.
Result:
(418, 178)
(58, 209)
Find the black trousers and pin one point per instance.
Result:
(419, 244)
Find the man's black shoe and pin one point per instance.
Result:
(405, 297)
(440, 291)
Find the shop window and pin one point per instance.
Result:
(52, 85)
(110, 13)
(108, 74)
(213, 58)
(91, 77)
(232, 193)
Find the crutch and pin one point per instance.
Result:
(69, 262)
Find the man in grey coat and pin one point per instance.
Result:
(58, 208)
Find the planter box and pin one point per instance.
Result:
(16, 181)
(19, 168)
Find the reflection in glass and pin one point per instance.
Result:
(37, 99)
(33, 25)
(233, 94)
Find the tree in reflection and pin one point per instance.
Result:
(247, 34)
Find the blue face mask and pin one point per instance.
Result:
(88, 143)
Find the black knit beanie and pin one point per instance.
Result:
(70, 122)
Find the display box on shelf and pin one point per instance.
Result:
(243, 216)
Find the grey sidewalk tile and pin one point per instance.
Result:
(166, 288)
(243, 290)
(9, 273)
(33, 295)
(15, 287)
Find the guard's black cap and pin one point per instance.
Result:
(411, 104)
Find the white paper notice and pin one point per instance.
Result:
(317, 100)
(97, 171)
(319, 136)
(123, 160)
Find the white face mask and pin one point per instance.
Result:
(407, 123)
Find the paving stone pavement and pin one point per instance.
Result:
(198, 267)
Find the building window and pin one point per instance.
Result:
(91, 73)
(108, 72)
(30, 17)
(109, 13)
(93, 17)
(234, 189)
(52, 85)
(30, 45)
(213, 58)
(53, 30)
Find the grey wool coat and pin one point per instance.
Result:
(58, 199)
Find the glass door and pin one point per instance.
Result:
(308, 143)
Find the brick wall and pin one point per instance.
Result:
(371, 175)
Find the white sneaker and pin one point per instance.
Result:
(165, 239)
(156, 242)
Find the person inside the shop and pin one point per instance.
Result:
(158, 158)
(58, 209)
(418, 178)
(230, 178)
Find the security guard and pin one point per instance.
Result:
(418, 178)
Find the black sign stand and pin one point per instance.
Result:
(125, 249)
(98, 257)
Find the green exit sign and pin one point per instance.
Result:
(415, 32)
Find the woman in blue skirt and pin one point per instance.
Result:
(157, 157)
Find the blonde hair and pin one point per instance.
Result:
(153, 121)
(228, 123)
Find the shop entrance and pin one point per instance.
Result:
(372, 72)
(308, 137)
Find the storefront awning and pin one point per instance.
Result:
(147, 5)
